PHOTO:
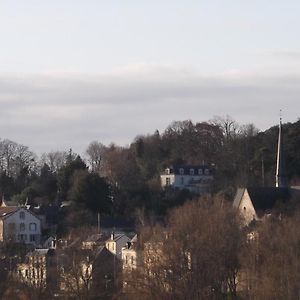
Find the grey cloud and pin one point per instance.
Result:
(57, 112)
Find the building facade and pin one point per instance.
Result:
(116, 242)
(196, 179)
(20, 225)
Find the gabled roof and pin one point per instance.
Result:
(98, 237)
(117, 236)
(7, 210)
(263, 198)
(41, 252)
(266, 198)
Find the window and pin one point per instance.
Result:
(200, 171)
(32, 238)
(126, 260)
(168, 181)
(11, 228)
(22, 227)
(22, 237)
(167, 171)
(113, 246)
(182, 180)
(132, 260)
(181, 171)
(32, 226)
(22, 215)
(191, 171)
(206, 172)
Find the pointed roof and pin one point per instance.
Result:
(263, 198)
(281, 175)
(7, 210)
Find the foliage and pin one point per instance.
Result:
(90, 191)
(240, 155)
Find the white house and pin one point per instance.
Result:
(197, 179)
(18, 224)
(115, 243)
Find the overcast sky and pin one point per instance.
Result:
(74, 71)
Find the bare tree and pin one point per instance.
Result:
(271, 260)
(228, 125)
(15, 157)
(194, 257)
(95, 153)
(55, 159)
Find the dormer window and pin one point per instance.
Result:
(167, 171)
(181, 171)
(22, 215)
(200, 171)
(192, 171)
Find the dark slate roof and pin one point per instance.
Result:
(264, 198)
(111, 222)
(186, 168)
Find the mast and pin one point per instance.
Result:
(281, 176)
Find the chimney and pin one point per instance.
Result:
(112, 236)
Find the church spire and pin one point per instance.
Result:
(281, 176)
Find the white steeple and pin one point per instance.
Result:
(281, 177)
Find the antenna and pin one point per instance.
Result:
(280, 115)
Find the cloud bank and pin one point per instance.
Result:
(60, 111)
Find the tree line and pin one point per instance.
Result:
(116, 180)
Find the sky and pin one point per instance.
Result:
(75, 71)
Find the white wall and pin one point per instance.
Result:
(246, 208)
(29, 219)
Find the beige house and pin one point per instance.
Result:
(18, 224)
(39, 269)
(258, 203)
(131, 256)
(115, 243)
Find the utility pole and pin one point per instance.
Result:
(98, 224)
